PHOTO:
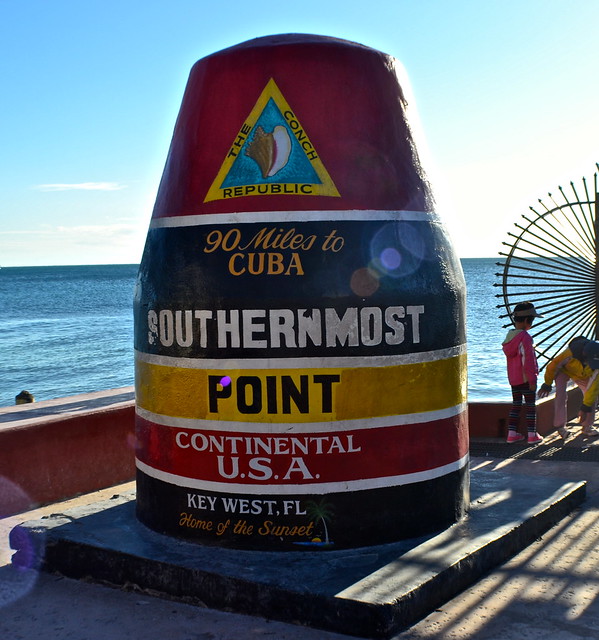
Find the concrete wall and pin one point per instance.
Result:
(489, 419)
(56, 449)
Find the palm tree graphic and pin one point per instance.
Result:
(320, 511)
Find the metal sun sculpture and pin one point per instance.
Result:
(553, 260)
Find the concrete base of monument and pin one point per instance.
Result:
(369, 592)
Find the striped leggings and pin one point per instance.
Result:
(521, 394)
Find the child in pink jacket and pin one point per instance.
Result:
(522, 372)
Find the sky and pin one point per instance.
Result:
(506, 92)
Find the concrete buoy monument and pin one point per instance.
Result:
(299, 311)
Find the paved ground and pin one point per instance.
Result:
(549, 589)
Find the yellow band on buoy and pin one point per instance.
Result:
(300, 395)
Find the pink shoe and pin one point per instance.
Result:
(514, 436)
(534, 438)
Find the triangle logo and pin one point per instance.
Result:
(271, 155)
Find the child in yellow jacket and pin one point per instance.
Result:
(570, 364)
(586, 414)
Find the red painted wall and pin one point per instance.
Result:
(489, 420)
(56, 456)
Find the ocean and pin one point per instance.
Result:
(69, 330)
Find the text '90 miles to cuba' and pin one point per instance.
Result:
(270, 251)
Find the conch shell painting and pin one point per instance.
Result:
(270, 151)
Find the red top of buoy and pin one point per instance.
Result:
(292, 123)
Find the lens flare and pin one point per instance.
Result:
(21, 554)
(29, 551)
(364, 282)
(390, 258)
(397, 250)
